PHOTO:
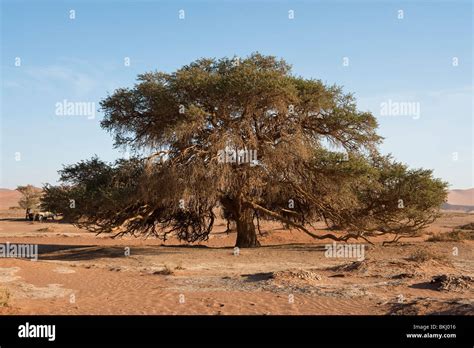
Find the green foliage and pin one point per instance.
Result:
(93, 188)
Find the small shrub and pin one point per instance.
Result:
(437, 237)
(453, 236)
(422, 255)
(469, 226)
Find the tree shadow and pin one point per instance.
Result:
(286, 247)
(258, 277)
(22, 219)
(12, 219)
(54, 252)
(297, 247)
(224, 232)
(425, 286)
(63, 252)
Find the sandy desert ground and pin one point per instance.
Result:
(80, 273)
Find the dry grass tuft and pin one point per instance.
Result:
(47, 229)
(455, 235)
(165, 271)
(469, 226)
(4, 297)
(422, 255)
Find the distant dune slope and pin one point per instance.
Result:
(461, 197)
(8, 198)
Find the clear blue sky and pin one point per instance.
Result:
(82, 60)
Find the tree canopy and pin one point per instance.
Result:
(30, 198)
(249, 137)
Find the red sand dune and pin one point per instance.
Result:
(8, 198)
(461, 197)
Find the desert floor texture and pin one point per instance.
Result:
(80, 273)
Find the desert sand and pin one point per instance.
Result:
(80, 273)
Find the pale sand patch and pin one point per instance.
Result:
(8, 274)
(19, 289)
(64, 270)
(30, 291)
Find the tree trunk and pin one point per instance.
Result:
(246, 236)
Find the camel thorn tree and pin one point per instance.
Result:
(253, 140)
